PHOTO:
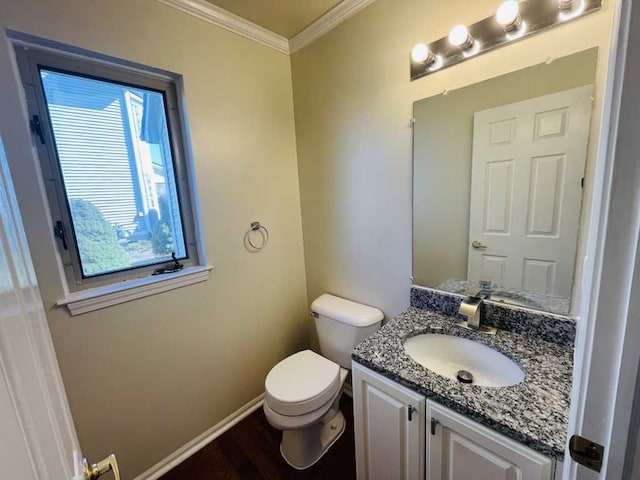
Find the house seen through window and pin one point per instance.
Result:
(114, 160)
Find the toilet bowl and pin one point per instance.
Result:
(303, 391)
(302, 397)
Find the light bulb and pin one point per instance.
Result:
(508, 15)
(420, 53)
(459, 37)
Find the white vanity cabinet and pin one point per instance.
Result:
(434, 442)
(389, 422)
(460, 449)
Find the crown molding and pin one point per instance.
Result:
(327, 22)
(222, 18)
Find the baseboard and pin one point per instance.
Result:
(184, 452)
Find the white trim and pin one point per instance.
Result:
(233, 23)
(102, 297)
(222, 18)
(606, 287)
(624, 430)
(615, 352)
(201, 440)
(326, 23)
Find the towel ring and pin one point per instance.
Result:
(256, 227)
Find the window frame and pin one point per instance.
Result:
(30, 60)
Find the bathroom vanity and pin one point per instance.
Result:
(412, 423)
(402, 434)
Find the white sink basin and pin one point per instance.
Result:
(446, 355)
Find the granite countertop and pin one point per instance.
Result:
(535, 412)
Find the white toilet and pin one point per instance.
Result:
(302, 392)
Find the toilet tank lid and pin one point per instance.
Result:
(346, 311)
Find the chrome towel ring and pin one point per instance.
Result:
(264, 233)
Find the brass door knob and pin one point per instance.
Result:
(91, 472)
(477, 245)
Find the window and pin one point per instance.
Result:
(110, 142)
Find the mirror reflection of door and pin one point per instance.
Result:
(526, 190)
(526, 165)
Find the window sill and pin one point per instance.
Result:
(102, 297)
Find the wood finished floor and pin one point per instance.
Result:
(251, 450)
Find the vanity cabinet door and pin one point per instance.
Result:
(461, 449)
(389, 428)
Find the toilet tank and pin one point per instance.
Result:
(341, 325)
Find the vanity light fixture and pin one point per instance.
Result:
(513, 20)
(459, 37)
(508, 15)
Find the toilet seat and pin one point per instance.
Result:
(301, 383)
(295, 422)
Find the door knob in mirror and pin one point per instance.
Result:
(477, 245)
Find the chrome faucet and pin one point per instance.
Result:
(471, 307)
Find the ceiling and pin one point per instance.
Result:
(284, 17)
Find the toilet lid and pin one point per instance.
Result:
(301, 383)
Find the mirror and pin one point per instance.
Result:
(497, 184)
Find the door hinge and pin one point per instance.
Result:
(36, 127)
(587, 453)
(58, 232)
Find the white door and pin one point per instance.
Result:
(460, 449)
(37, 437)
(526, 190)
(389, 428)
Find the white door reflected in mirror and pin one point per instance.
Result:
(526, 190)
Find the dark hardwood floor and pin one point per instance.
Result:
(251, 450)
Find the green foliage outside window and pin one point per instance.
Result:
(162, 239)
(97, 240)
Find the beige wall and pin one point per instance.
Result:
(442, 149)
(145, 377)
(353, 102)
